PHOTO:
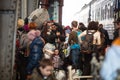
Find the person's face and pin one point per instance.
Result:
(53, 27)
(46, 71)
(117, 25)
(49, 24)
(56, 52)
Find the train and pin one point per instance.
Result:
(102, 11)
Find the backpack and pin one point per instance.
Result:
(87, 44)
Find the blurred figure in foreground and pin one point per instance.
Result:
(44, 71)
(111, 63)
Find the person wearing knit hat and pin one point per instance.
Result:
(111, 64)
(36, 50)
(33, 34)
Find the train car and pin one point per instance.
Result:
(101, 11)
(116, 9)
(84, 14)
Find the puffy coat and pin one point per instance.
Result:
(35, 54)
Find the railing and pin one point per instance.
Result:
(72, 77)
(82, 77)
(95, 67)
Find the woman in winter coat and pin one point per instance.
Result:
(36, 46)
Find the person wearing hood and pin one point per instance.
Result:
(36, 46)
(111, 63)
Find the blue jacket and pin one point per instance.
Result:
(35, 54)
(111, 63)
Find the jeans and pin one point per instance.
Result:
(75, 55)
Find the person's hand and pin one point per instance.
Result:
(29, 77)
(107, 48)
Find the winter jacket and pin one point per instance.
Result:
(107, 41)
(35, 54)
(38, 76)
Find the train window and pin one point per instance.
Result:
(102, 13)
(111, 12)
(108, 11)
(105, 11)
(99, 14)
(92, 15)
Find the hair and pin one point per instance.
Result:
(74, 24)
(44, 29)
(26, 21)
(100, 25)
(92, 25)
(67, 27)
(82, 27)
(45, 62)
(59, 27)
(97, 23)
(118, 22)
(32, 25)
(20, 23)
(56, 49)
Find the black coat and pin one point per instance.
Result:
(116, 33)
(107, 40)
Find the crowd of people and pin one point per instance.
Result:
(42, 50)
